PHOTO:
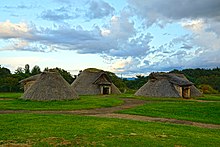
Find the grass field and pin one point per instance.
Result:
(85, 102)
(210, 97)
(206, 112)
(72, 130)
(10, 95)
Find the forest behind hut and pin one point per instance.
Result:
(207, 80)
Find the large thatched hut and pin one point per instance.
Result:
(50, 86)
(94, 81)
(168, 85)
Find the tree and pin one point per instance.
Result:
(117, 81)
(36, 70)
(4, 71)
(27, 69)
(19, 70)
(10, 83)
(66, 75)
(137, 83)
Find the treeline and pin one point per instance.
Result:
(9, 82)
(208, 80)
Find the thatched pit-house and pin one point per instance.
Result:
(168, 85)
(26, 83)
(93, 82)
(50, 86)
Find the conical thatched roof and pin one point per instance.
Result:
(166, 85)
(90, 80)
(50, 86)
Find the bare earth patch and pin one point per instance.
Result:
(2, 99)
(110, 113)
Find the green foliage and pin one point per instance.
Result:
(36, 70)
(207, 89)
(27, 69)
(73, 130)
(137, 83)
(66, 75)
(4, 71)
(117, 81)
(8, 82)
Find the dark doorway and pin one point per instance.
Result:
(106, 90)
(186, 92)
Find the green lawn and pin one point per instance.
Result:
(206, 112)
(210, 97)
(72, 130)
(10, 95)
(85, 102)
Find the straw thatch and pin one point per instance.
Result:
(50, 86)
(28, 82)
(94, 81)
(168, 85)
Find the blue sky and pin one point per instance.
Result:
(123, 36)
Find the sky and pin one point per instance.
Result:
(127, 37)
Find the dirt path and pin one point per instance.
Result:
(110, 113)
(205, 101)
(3, 99)
(128, 103)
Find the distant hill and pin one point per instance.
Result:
(130, 79)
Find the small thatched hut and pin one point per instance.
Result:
(26, 83)
(50, 86)
(94, 81)
(168, 85)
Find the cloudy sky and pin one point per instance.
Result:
(128, 37)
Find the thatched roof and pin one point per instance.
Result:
(102, 79)
(162, 85)
(50, 86)
(177, 79)
(89, 81)
(32, 78)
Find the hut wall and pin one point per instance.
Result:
(179, 90)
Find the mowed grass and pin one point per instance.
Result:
(210, 97)
(206, 112)
(85, 102)
(73, 130)
(10, 95)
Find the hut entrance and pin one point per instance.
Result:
(186, 92)
(105, 90)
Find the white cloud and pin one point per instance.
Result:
(195, 25)
(105, 32)
(10, 30)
